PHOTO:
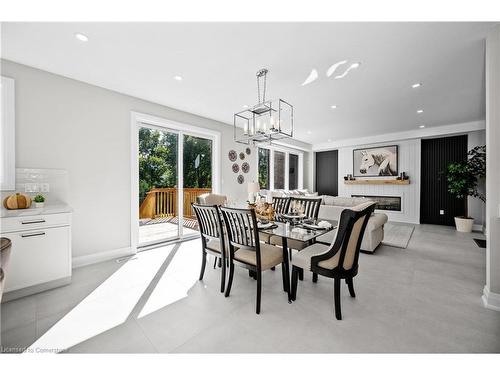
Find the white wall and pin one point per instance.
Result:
(491, 294)
(409, 162)
(66, 124)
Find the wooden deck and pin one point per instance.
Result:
(164, 228)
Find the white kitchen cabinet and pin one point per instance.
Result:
(40, 255)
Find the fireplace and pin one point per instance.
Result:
(386, 203)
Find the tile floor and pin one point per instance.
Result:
(426, 298)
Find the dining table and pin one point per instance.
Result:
(298, 232)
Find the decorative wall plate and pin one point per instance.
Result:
(248, 151)
(245, 167)
(241, 179)
(232, 155)
(242, 155)
(236, 168)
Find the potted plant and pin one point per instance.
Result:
(463, 178)
(39, 200)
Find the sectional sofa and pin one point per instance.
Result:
(331, 209)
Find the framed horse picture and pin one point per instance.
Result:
(375, 161)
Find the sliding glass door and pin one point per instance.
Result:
(174, 169)
(197, 177)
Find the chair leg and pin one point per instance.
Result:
(259, 290)
(283, 275)
(315, 277)
(350, 285)
(223, 277)
(203, 264)
(336, 297)
(219, 263)
(230, 281)
(295, 281)
(215, 262)
(301, 274)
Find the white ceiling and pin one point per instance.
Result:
(218, 62)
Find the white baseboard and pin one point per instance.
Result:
(491, 300)
(477, 228)
(85, 260)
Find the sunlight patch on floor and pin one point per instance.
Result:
(180, 276)
(108, 306)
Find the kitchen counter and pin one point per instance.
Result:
(50, 208)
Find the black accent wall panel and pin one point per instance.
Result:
(327, 167)
(437, 153)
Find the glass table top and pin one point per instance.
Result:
(296, 232)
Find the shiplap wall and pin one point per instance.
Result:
(409, 162)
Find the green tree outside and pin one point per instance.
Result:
(158, 161)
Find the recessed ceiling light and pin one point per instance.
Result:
(245, 106)
(355, 65)
(416, 85)
(309, 132)
(82, 37)
(334, 107)
(421, 126)
(178, 78)
(420, 111)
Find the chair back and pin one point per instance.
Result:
(343, 254)
(209, 222)
(281, 206)
(210, 199)
(242, 231)
(311, 205)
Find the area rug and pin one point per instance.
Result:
(397, 235)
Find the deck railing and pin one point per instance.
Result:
(162, 202)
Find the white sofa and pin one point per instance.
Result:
(332, 207)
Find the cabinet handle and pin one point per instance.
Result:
(33, 221)
(33, 234)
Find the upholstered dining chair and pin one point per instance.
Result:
(211, 199)
(251, 254)
(340, 259)
(311, 210)
(5, 249)
(212, 238)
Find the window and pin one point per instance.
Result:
(279, 168)
(263, 171)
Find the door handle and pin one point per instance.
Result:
(33, 221)
(33, 234)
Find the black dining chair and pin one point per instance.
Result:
(311, 210)
(339, 260)
(251, 254)
(212, 238)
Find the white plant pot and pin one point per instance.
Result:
(464, 225)
(39, 204)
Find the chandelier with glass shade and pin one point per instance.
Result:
(267, 121)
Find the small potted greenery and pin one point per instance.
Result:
(463, 178)
(39, 200)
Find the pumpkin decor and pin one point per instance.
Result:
(17, 201)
